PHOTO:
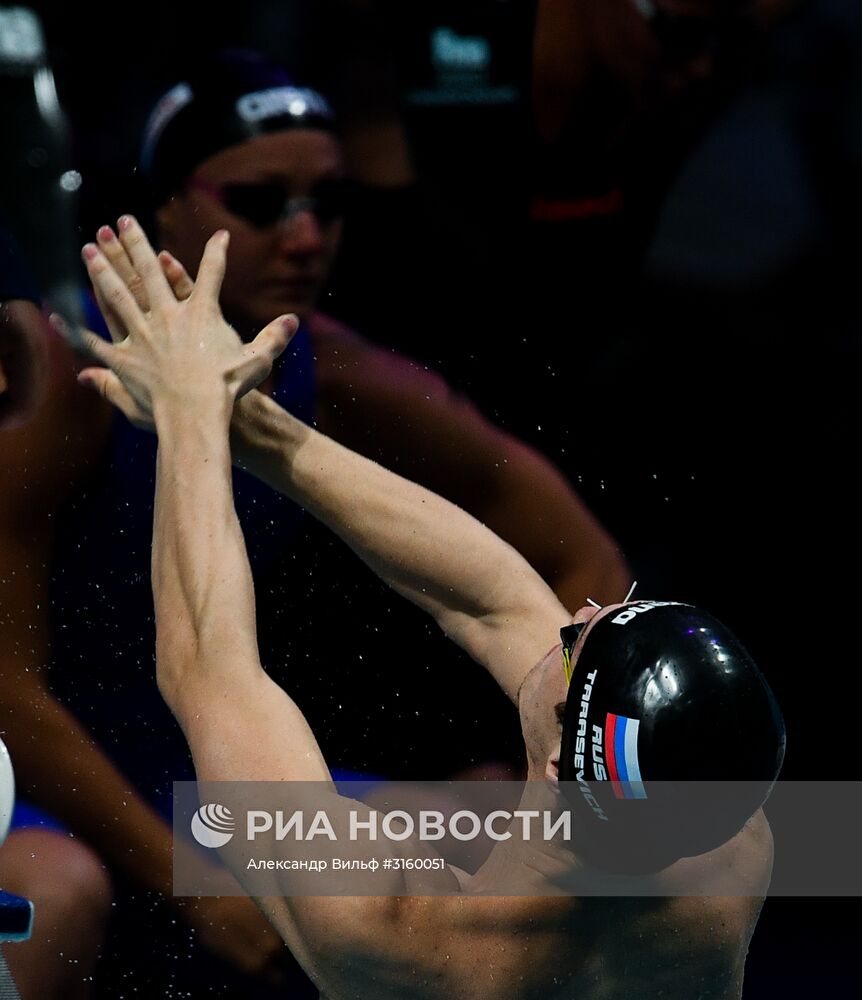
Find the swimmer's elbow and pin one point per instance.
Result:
(169, 676)
(180, 673)
(177, 653)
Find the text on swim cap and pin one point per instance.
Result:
(297, 102)
(599, 770)
(633, 610)
(580, 747)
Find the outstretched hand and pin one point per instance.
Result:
(171, 346)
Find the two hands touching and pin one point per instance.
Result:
(173, 357)
(172, 351)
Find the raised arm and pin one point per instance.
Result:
(59, 763)
(183, 365)
(206, 646)
(404, 416)
(482, 593)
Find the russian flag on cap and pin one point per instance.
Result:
(621, 751)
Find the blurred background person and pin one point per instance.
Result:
(718, 349)
(63, 877)
(279, 187)
(23, 338)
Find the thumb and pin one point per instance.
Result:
(108, 386)
(259, 355)
(177, 276)
(274, 338)
(81, 339)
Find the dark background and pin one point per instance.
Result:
(705, 408)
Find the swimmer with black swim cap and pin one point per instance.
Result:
(234, 97)
(671, 669)
(239, 144)
(671, 736)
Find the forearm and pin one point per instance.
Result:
(202, 585)
(426, 548)
(207, 657)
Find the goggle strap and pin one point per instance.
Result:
(569, 636)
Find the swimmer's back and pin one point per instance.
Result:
(543, 948)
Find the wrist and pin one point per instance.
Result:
(212, 410)
(241, 424)
(263, 436)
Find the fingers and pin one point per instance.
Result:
(211, 271)
(274, 338)
(144, 261)
(177, 276)
(109, 387)
(84, 340)
(115, 327)
(117, 298)
(259, 355)
(117, 257)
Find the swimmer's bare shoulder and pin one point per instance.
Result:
(711, 934)
(354, 374)
(382, 404)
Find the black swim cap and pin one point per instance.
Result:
(232, 97)
(672, 739)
